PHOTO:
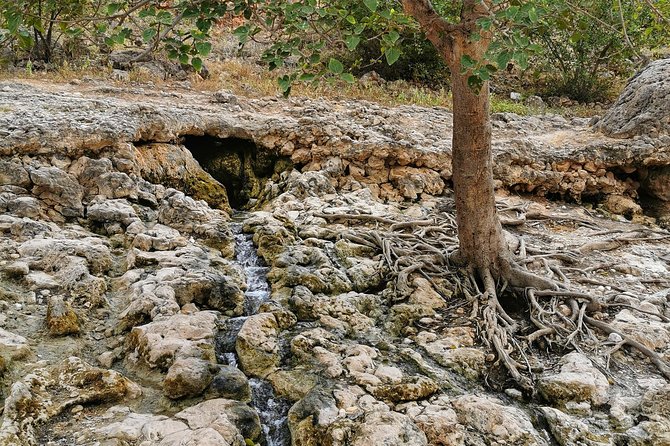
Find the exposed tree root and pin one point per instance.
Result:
(559, 315)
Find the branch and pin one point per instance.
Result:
(436, 28)
(160, 36)
(657, 11)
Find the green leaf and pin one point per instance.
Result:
(511, 12)
(164, 18)
(13, 21)
(335, 66)
(352, 42)
(475, 83)
(348, 77)
(485, 24)
(503, 59)
(204, 48)
(148, 12)
(196, 63)
(148, 34)
(113, 8)
(372, 5)
(307, 77)
(393, 36)
(467, 62)
(521, 59)
(284, 83)
(532, 15)
(386, 14)
(183, 59)
(392, 55)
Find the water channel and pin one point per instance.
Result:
(272, 411)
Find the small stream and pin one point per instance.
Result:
(272, 411)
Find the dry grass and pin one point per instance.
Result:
(247, 79)
(250, 80)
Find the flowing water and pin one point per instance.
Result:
(255, 271)
(272, 411)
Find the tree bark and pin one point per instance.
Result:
(482, 244)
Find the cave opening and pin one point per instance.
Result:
(239, 164)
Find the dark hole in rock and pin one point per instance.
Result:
(239, 164)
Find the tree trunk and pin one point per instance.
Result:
(482, 244)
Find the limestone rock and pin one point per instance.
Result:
(59, 189)
(643, 108)
(112, 211)
(61, 318)
(187, 377)
(257, 345)
(25, 207)
(310, 267)
(174, 166)
(229, 418)
(13, 173)
(293, 384)
(418, 388)
(570, 431)
(656, 403)
(16, 269)
(139, 428)
(230, 383)
(388, 428)
(657, 183)
(577, 381)
(496, 422)
(156, 238)
(653, 334)
(180, 336)
(310, 417)
(46, 393)
(440, 424)
(13, 346)
(455, 350)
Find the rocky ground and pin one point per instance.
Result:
(125, 316)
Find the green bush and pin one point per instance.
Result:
(584, 47)
(419, 61)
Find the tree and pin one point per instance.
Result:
(483, 247)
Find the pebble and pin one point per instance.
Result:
(615, 338)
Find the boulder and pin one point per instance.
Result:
(643, 108)
(61, 318)
(389, 429)
(230, 383)
(227, 417)
(13, 346)
(187, 377)
(180, 336)
(496, 422)
(569, 431)
(578, 381)
(257, 345)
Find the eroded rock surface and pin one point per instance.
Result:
(117, 249)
